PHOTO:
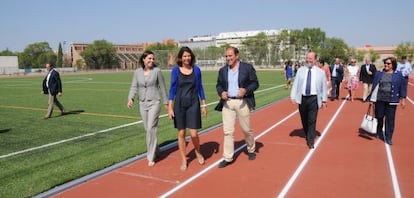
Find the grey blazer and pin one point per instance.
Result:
(321, 86)
(150, 89)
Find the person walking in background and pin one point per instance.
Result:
(388, 91)
(52, 85)
(149, 83)
(309, 91)
(366, 76)
(337, 75)
(405, 68)
(352, 72)
(236, 83)
(288, 74)
(325, 68)
(186, 91)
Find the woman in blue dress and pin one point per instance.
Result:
(186, 91)
(288, 74)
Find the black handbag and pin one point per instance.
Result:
(219, 106)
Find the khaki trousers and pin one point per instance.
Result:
(367, 90)
(53, 101)
(233, 109)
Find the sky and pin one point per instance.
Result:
(357, 22)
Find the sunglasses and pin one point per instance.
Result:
(387, 63)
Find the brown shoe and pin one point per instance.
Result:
(45, 117)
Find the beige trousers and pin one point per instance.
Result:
(233, 109)
(367, 90)
(53, 101)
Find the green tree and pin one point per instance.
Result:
(334, 47)
(36, 55)
(59, 60)
(360, 55)
(313, 38)
(100, 55)
(297, 42)
(257, 48)
(404, 49)
(374, 55)
(279, 46)
(164, 53)
(7, 52)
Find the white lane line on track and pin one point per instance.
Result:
(148, 177)
(194, 177)
(102, 131)
(310, 153)
(394, 178)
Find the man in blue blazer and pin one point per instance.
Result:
(337, 75)
(235, 86)
(310, 92)
(52, 85)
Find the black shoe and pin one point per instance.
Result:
(252, 156)
(223, 164)
(389, 142)
(311, 146)
(379, 137)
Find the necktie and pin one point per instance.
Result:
(308, 83)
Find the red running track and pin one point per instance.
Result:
(344, 163)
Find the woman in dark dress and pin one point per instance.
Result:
(186, 91)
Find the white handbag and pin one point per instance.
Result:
(369, 122)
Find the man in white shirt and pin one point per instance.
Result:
(309, 91)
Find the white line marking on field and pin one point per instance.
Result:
(309, 155)
(101, 131)
(69, 139)
(181, 185)
(148, 177)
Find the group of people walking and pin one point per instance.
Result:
(186, 102)
(236, 83)
(384, 89)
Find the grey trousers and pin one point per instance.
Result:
(150, 111)
(53, 101)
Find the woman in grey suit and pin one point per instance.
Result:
(149, 83)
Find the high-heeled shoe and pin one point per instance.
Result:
(200, 158)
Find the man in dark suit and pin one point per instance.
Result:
(52, 85)
(337, 75)
(366, 76)
(236, 84)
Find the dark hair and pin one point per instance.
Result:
(143, 56)
(403, 57)
(51, 64)
(393, 62)
(235, 50)
(321, 61)
(180, 56)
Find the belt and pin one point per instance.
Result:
(234, 97)
(308, 96)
